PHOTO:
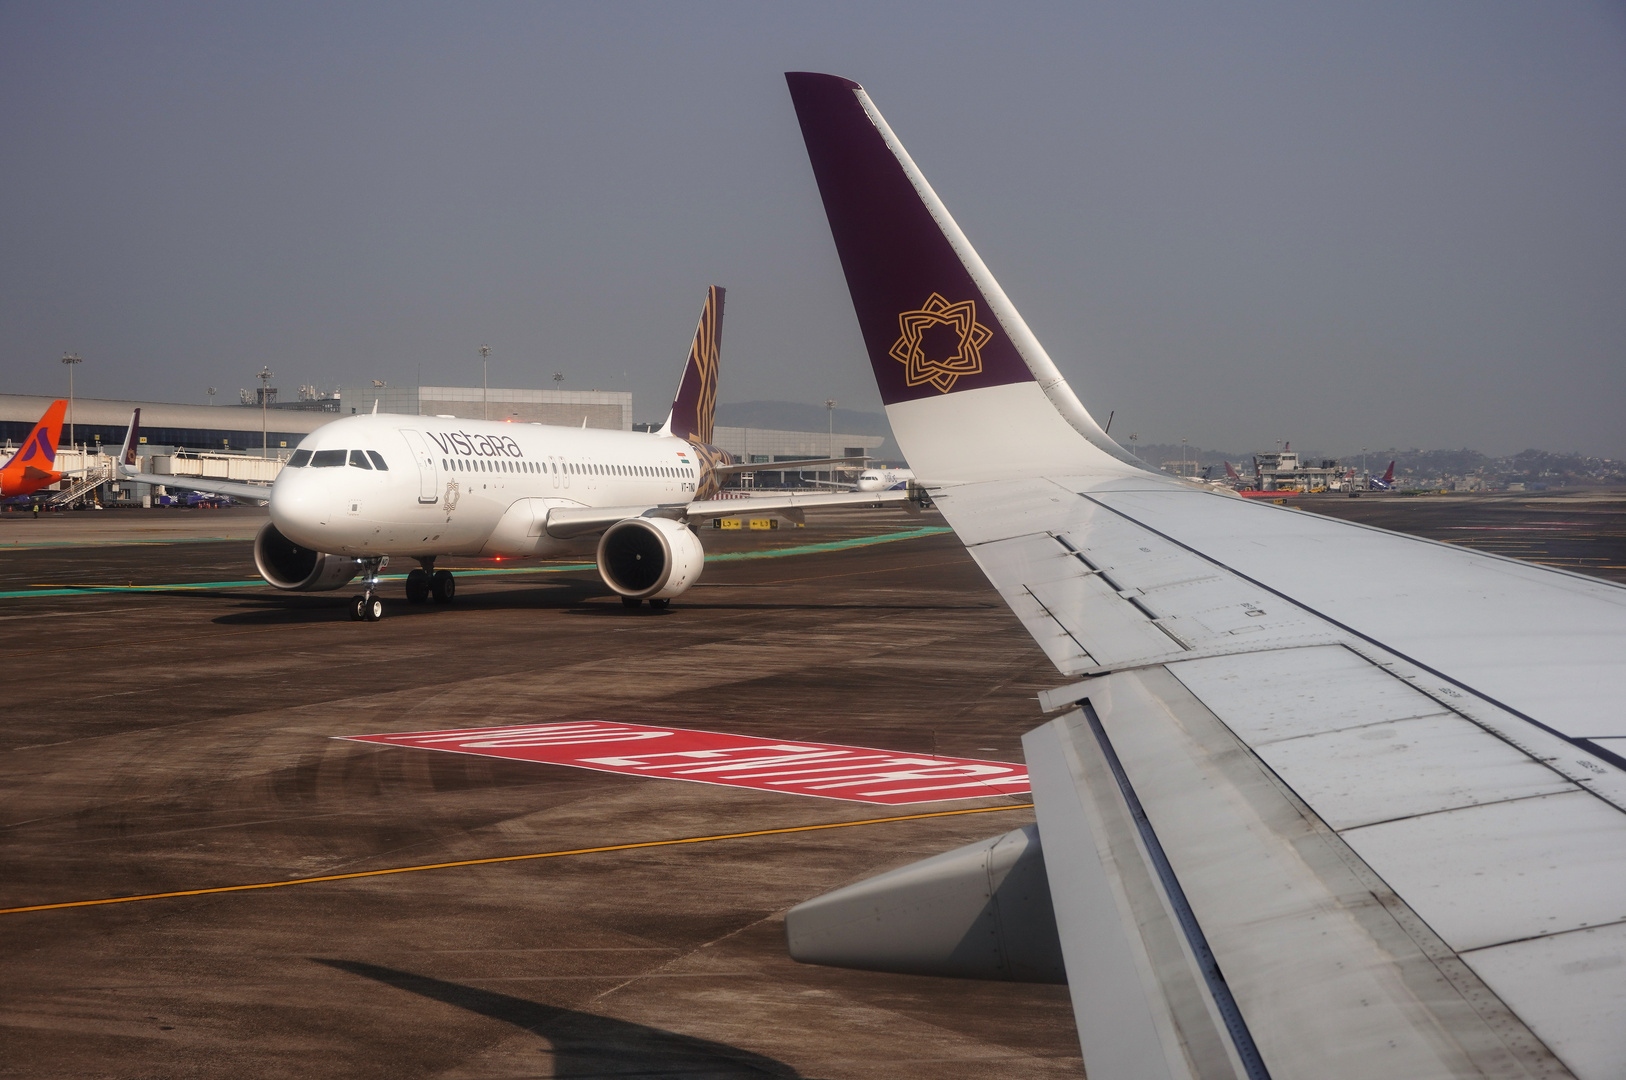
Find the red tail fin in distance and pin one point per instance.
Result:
(39, 449)
(1231, 472)
(695, 408)
(1389, 475)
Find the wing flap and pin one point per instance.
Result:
(1331, 973)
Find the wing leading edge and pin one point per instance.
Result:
(1298, 819)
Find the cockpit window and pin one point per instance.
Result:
(378, 461)
(300, 459)
(327, 459)
(358, 458)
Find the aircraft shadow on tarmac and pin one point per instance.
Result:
(584, 1044)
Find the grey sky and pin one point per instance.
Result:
(1341, 224)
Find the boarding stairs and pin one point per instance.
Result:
(95, 475)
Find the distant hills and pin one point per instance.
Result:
(1530, 467)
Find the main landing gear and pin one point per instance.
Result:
(426, 583)
(368, 606)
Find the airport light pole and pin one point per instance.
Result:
(485, 381)
(265, 396)
(831, 405)
(211, 395)
(70, 360)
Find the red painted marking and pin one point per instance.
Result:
(828, 771)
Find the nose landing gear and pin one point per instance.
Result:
(368, 607)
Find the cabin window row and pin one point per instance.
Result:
(330, 459)
(491, 465)
(571, 467)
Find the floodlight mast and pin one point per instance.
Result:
(265, 396)
(485, 381)
(831, 405)
(71, 360)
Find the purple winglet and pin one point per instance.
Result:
(928, 327)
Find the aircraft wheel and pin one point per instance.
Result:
(442, 586)
(631, 601)
(659, 604)
(417, 587)
(358, 608)
(372, 608)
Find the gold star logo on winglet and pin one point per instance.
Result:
(939, 342)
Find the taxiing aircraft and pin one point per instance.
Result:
(1384, 482)
(885, 479)
(1291, 823)
(33, 466)
(368, 488)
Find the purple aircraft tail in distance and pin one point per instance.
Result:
(132, 437)
(695, 407)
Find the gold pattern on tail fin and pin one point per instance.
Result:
(703, 359)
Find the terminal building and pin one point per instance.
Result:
(610, 409)
(250, 440)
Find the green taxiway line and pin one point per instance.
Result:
(726, 556)
(32, 545)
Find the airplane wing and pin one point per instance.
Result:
(207, 485)
(566, 522)
(784, 466)
(1320, 800)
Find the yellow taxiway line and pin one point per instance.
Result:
(509, 859)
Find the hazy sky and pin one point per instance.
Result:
(1344, 224)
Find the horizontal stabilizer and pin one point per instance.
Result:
(978, 912)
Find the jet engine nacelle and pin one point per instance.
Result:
(651, 558)
(286, 565)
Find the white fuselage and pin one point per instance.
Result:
(884, 479)
(466, 487)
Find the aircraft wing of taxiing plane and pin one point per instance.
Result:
(368, 488)
(1290, 823)
(207, 485)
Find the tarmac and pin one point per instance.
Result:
(171, 728)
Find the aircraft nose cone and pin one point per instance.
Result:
(299, 507)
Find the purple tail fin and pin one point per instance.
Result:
(695, 407)
(132, 435)
(949, 350)
(929, 327)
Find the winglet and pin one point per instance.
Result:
(132, 436)
(695, 407)
(38, 451)
(970, 391)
